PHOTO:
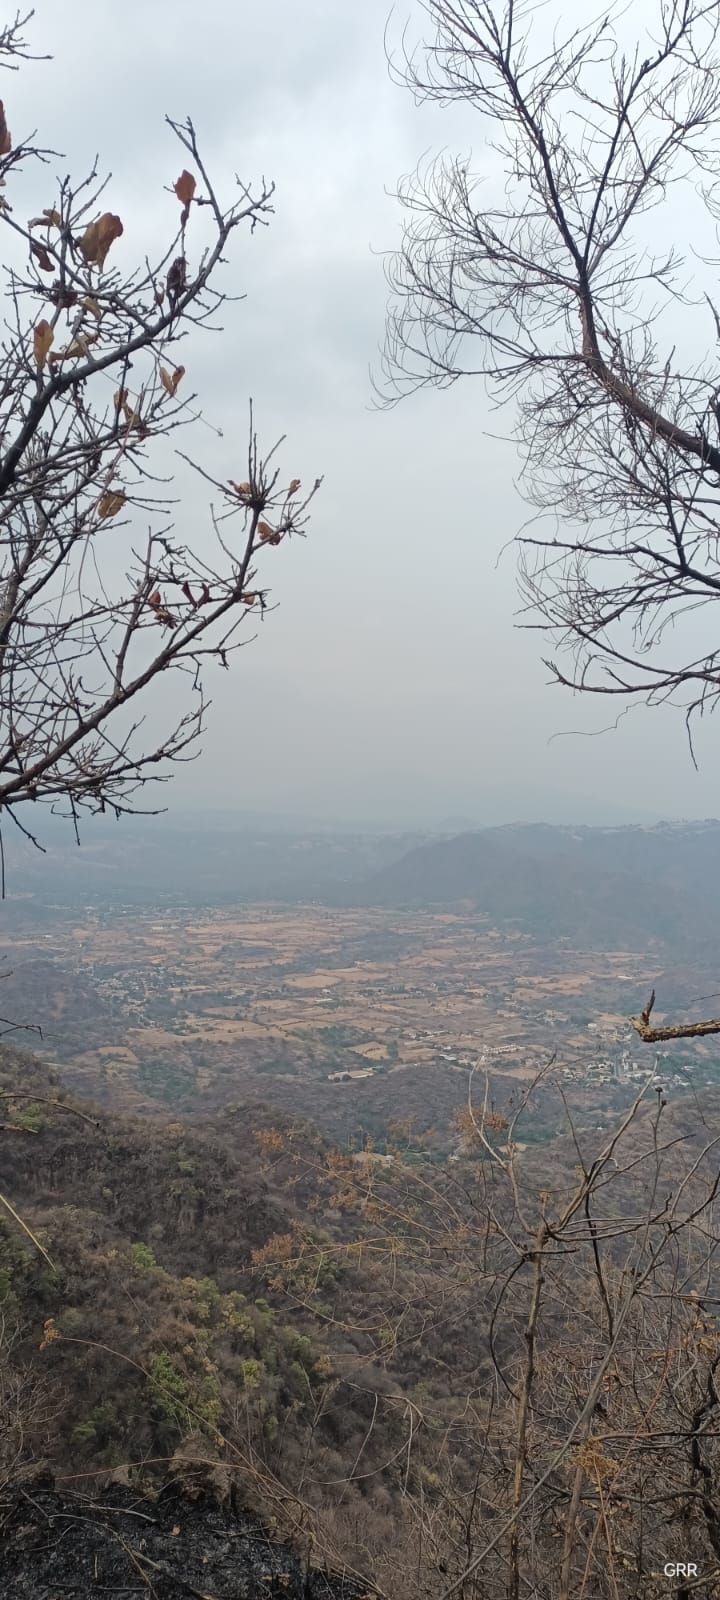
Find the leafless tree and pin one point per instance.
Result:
(566, 1443)
(28, 1405)
(561, 290)
(89, 381)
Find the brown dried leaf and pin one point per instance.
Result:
(295, 485)
(92, 305)
(169, 380)
(42, 340)
(44, 261)
(79, 347)
(98, 237)
(265, 531)
(89, 242)
(121, 403)
(244, 490)
(185, 188)
(49, 219)
(111, 502)
(5, 140)
(163, 615)
(110, 228)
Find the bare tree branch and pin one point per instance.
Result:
(80, 646)
(553, 291)
(679, 1030)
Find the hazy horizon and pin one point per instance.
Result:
(556, 811)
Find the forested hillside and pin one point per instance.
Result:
(613, 888)
(342, 1341)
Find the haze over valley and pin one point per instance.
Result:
(361, 979)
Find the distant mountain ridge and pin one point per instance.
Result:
(616, 887)
(150, 860)
(624, 886)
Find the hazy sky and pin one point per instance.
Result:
(391, 682)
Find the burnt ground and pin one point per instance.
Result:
(61, 1547)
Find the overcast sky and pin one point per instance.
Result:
(392, 682)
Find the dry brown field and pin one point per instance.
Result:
(200, 1010)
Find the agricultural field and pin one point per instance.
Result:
(354, 1018)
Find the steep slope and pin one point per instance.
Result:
(320, 1337)
(136, 1314)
